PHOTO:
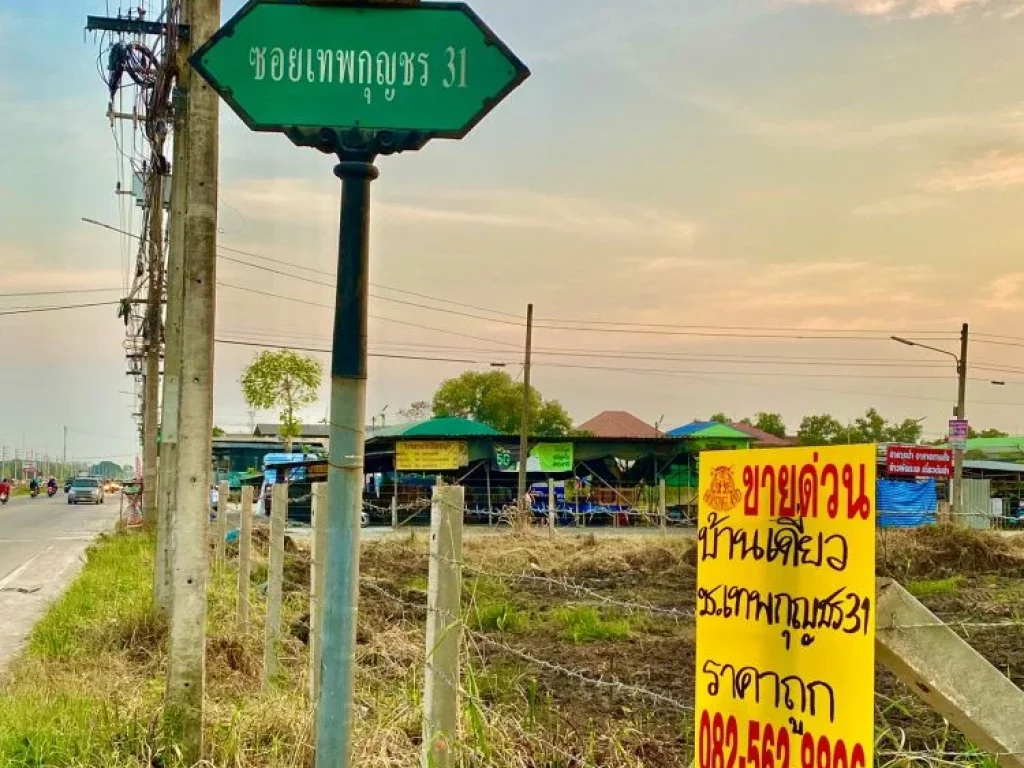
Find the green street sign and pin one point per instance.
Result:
(432, 68)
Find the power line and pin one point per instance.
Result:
(57, 293)
(58, 309)
(669, 374)
(565, 324)
(372, 317)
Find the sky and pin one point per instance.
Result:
(845, 168)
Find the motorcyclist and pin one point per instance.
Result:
(33, 484)
(5, 487)
(51, 484)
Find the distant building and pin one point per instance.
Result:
(318, 434)
(761, 439)
(619, 424)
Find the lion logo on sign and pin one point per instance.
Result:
(723, 494)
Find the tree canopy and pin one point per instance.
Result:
(282, 379)
(493, 398)
(872, 427)
(771, 423)
(720, 417)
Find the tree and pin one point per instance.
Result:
(493, 398)
(771, 423)
(720, 417)
(872, 427)
(972, 433)
(285, 380)
(417, 411)
(822, 429)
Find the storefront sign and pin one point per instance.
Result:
(423, 455)
(544, 457)
(786, 608)
(958, 432)
(918, 461)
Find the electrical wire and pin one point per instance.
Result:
(58, 309)
(56, 293)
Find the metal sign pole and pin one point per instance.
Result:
(345, 473)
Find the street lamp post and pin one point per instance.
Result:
(961, 409)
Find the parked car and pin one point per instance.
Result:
(86, 489)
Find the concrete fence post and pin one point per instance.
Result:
(275, 579)
(223, 494)
(551, 508)
(244, 557)
(444, 627)
(316, 589)
(950, 676)
(662, 507)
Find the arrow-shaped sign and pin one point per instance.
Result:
(432, 68)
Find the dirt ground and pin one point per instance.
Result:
(548, 619)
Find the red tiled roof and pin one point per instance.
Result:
(761, 438)
(618, 424)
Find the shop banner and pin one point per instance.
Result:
(785, 608)
(423, 455)
(918, 461)
(544, 457)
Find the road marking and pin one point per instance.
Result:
(21, 568)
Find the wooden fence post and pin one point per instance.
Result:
(275, 579)
(244, 558)
(223, 493)
(316, 589)
(444, 627)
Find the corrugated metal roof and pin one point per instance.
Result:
(442, 427)
(708, 429)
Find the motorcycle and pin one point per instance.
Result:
(51, 491)
(33, 493)
(3, 498)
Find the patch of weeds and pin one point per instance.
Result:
(499, 683)
(109, 604)
(499, 616)
(584, 624)
(922, 588)
(418, 582)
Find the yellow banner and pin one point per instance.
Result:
(422, 455)
(786, 608)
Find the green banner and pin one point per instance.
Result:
(544, 457)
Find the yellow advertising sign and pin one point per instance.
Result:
(786, 608)
(423, 455)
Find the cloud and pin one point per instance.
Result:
(835, 133)
(902, 205)
(994, 170)
(827, 285)
(299, 200)
(1006, 292)
(917, 9)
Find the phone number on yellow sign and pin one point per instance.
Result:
(767, 746)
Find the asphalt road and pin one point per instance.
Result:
(42, 541)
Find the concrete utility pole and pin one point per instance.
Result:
(957, 505)
(956, 487)
(64, 453)
(524, 427)
(151, 390)
(167, 503)
(183, 711)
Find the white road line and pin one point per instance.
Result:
(21, 568)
